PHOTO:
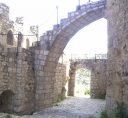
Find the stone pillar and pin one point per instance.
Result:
(44, 81)
(71, 82)
(117, 85)
(24, 77)
(20, 82)
(60, 81)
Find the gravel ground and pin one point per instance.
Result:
(72, 107)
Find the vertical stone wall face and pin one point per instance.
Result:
(71, 82)
(98, 79)
(60, 81)
(48, 85)
(44, 80)
(117, 86)
(17, 76)
(8, 73)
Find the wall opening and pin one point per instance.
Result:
(10, 37)
(88, 44)
(82, 82)
(6, 101)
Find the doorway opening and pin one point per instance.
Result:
(82, 82)
(6, 101)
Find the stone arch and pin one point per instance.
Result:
(98, 76)
(10, 37)
(69, 30)
(74, 66)
(6, 101)
(59, 37)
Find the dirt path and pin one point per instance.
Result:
(73, 107)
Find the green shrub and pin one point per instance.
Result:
(87, 91)
(60, 98)
(104, 114)
(7, 116)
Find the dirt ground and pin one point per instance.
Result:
(72, 107)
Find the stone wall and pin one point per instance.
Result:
(25, 86)
(44, 80)
(22, 80)
(47, 88)
(98, 79)
(60, 81)
(71, 81)
(98, 69)
(17, 77)
(30, 75)
(117, 86)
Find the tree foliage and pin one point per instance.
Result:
(83, 76)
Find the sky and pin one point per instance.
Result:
(91, 39)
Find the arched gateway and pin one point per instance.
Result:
(98, 77)
(53, 43)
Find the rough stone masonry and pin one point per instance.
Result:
(28, 78)
(117, 86)
(98, 77)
